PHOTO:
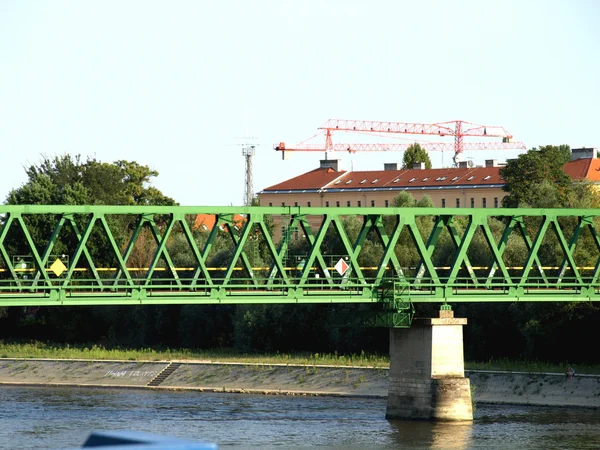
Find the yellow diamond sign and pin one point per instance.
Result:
(58, 267)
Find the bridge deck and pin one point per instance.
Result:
(59, 255)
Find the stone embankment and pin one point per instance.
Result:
(488, 387)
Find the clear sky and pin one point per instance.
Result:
(174, 85)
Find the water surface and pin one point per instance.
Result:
(59, 418)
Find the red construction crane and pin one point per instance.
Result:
(458, 128)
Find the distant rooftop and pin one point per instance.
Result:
(584, 165)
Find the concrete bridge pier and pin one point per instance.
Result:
(427, 371)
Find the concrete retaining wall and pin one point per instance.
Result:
(488, 387)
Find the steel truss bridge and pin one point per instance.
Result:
(395, 257)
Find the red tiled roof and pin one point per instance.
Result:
(315, 179)
(330, 179)
(583, 168)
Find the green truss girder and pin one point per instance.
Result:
(87, 280)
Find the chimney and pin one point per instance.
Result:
(463, 164)
(330, 163)
(390, 166)
(419, 166)
(585, 152)
(491, 163)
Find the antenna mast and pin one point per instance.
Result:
(248, 151)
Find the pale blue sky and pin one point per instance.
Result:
(170, 84)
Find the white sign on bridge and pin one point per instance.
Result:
(341, 266)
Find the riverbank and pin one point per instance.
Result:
(488, 387)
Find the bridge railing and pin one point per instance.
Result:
(121, 254)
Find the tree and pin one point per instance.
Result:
(405, 200)
(583, 194)
(537, 179)
(71, 180)
(538, 176)
(68, 180)
(415, 154)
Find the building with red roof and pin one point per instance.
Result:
(463, 186)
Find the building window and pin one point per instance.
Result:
(443, 203)
(307, 203)
(472, 202)
(358, 203)
(484, 204)
(337, 203)
(348, 203)
(495, 202)
(458, 202)
(295, 203)
(327, 204)
(387, 203)
(270, 203)
(372, 203)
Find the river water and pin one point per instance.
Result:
(60, 418)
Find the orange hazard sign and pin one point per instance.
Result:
(341, 266)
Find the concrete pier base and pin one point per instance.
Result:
(427, 377)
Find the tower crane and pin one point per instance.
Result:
(458, 129)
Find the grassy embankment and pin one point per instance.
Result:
(65, 351)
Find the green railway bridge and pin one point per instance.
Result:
(390, 257)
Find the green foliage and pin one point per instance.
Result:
(405, 200)
(71, 180)
(207, 326)
(583, 194)
(537, 179)
(409, 255)
(424, 202)
(415, 154)
(36, 349)
(304, 328)
(533, 365)
(68, 180)
(135, 180)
